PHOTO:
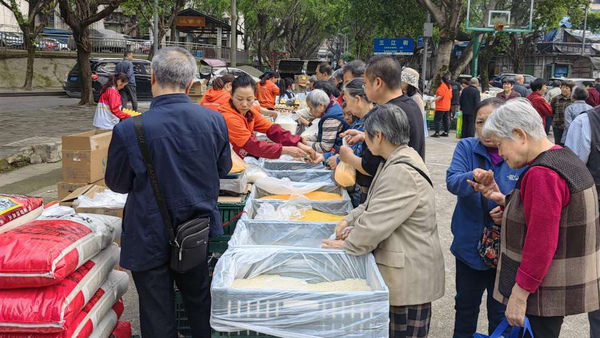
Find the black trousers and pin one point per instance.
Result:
(157, 301)
(129, 93)
(439, 117)
(468, 126)
(544, 327)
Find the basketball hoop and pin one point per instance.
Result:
(499, 26)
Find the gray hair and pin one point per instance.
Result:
(389, 120)
(312, 79)
(317, 97)
(580, 94)
(474, 81)
(519, 77)
(514, 114)
(174, 67)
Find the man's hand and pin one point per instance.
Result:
(353, 136)
(517, 306)
(346, 154)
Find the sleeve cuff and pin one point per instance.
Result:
(527, 282)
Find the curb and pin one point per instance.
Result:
(32, 93)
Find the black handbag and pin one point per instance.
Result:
(189, 240)
(489, 245)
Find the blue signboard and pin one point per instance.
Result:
(200, 54)
(394, 46)
(420, 41)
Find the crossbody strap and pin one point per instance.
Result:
(418, 170)
(487, 219)
(160, 200)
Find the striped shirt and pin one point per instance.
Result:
(331, 128)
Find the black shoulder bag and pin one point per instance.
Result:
(489, 245)
(189, 240)
(418, 170)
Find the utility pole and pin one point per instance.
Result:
(427, 33)
(155, 27)
(584, 30)
(233, 52)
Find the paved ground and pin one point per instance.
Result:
(52, 118)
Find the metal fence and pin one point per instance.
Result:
(11, 41)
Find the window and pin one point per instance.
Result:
(139, 69)
(108, 67)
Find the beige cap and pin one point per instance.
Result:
(410, 77)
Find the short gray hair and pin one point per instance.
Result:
(317, 97)
(174, 67)
(514, 114)
(474, 81)
(389, 120)
(519, 77)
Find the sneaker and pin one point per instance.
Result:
(445, 135)
(435, 135)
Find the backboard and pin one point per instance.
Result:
(500, 15)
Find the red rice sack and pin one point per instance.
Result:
(16, 210)
(45, 251)
(110, 327)
(122, 330)
(50, 309)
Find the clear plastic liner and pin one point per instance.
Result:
(291, 234)
(254, 169)
(307, 176)
(253, 205)
(285, 163)
(236, 185)
(103, 199)
(299, 313)
(272, 186)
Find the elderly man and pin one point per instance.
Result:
(129, 93)
(519, 87)
(353, 69)
(325, 72)
(189, 147)
(469, 99)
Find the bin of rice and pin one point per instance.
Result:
(292, 234)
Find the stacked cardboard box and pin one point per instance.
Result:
(84, 157)
(197, 91)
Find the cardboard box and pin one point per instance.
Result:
(198, 88)
(84, 156)
(196, 98)
(66, 188)
(90, 191)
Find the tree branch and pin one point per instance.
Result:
(436, 12)
(102, 14)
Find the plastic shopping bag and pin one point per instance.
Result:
(344, 175)
(503, 326)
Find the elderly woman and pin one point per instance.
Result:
(397, 222)
(331, 125)
(473, 158)
(580, 95)
(549, 253)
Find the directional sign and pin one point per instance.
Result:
(420, 41)
(394, 46)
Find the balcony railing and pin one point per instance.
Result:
(565, 48)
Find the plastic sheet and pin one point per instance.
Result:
(299, 314)
(252, 207)
(103, 199)
(45, 251)
(306, 176)
(57, 211)
(286, 163)
(292, 234)
(254, 169)
(272, 186)
(236, 185)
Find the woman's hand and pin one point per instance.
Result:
(294, 152)
(304, 121)
(332, 162)
(485, 177)
(496, 214)
(491, 192)
(309, 150)
(346, 154)
(353, 136)
(339, 229)
(332, 244)
(517, 306)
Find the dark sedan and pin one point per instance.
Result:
(102, 68)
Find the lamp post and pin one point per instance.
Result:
(155, 45)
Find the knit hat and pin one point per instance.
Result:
(410, 77)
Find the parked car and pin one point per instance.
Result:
(45, 43)
(102, 68)
(11, 40)
(497, 80)
(578, 80)
(220, 71)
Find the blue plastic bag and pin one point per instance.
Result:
(503, 326)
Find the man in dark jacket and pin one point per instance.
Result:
(129, 93)
(189, 145)
(520, 87)
(469, 99)
(455, 103)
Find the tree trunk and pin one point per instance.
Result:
(30, 44)
(442, 62)
(84, 48)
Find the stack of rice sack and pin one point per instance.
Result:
(16, 210)
(58, 277)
